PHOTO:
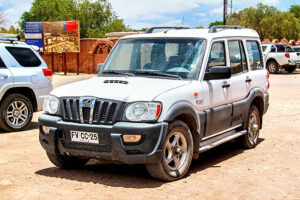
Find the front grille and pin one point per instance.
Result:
(87, 147)
(103, 111)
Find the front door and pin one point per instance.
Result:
(217, 94)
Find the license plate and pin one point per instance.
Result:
(86, 137)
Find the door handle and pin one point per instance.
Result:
(226, 85)
(3, 76)
(248, 80)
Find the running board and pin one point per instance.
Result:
(213, 142)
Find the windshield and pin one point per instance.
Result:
(170, 58)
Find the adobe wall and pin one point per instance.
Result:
(92, 52)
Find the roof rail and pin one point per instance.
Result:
(5, 37)
(150, 30)
(214, 29)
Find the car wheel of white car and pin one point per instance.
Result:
(177, 154)
(250, 140)
(272, 67)
(16, 112)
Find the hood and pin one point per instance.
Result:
(126, 89)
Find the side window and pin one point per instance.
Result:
(217, 55)
(237, 55)
(25, 56)
(254, 54)
(273, 49)
(2, 65)
(280, 48)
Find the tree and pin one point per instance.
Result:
(2, 20)
(215, 23)
(268, 22)
(96, 17)
(295, 9)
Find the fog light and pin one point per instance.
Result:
(46, 130)
(131, 138)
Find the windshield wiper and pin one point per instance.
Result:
(156, 73)
(118, 72)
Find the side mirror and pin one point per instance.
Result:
(99, 67)
(218, 72)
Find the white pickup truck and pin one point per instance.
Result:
(280, 57)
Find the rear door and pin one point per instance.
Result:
(6, 79)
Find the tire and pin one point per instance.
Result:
(66, 162)
(272, 67)
(291, 69)
(249, 140)
(178, 150)
(16, 112)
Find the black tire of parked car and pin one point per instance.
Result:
(66, 162)
(182, 152)
(250, 139)
(16, 112)
(272, 67)
(291, 69)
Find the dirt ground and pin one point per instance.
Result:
(270, 171)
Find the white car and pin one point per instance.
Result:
(161, 99)
(280, 57)
(25, 80)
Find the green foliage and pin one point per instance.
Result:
(295, 9)
(268, 22)
(215, 23)
(96, 17)
(200, 27)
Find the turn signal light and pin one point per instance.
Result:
(131, 138)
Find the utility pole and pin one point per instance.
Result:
(227, 15)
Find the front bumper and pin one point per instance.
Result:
(111, 146)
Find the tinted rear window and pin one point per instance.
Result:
(25, 56)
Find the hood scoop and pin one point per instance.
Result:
(116, 81)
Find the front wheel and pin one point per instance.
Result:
(16, 112)
(177, 154)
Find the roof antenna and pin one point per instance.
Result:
(182, 20)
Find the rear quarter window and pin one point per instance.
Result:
(24, 56)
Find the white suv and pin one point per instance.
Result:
(161, 99)
(24, 82)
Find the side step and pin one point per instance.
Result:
(213, 142)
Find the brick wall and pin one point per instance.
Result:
(92, 52)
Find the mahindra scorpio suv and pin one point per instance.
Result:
(160, 99)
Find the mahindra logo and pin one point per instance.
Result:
(87, 102)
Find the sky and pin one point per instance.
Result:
(147, 13)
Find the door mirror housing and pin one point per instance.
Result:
(218, 72)
(99, 67)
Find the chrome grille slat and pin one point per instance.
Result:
(101, 112)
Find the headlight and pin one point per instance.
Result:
(51, 104)
(143, 111)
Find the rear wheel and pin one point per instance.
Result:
(249, 140)
(177, 154)
(15, 113)
(272, 67)
(66, 162)
(291, 69)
